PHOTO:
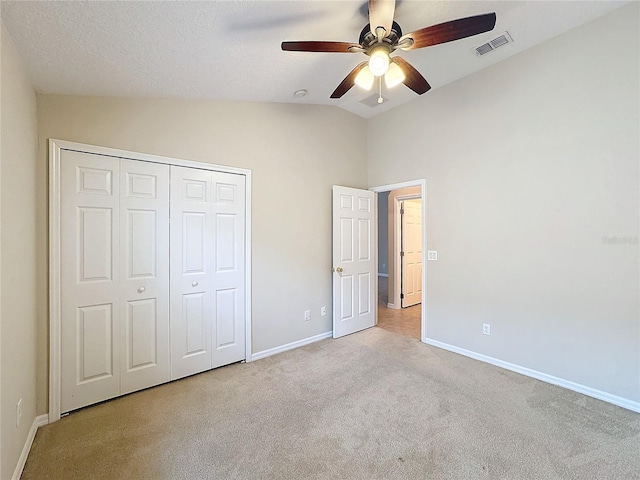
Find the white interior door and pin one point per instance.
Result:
(192, 228)
(228, 330)
(411, 253)
(144, 269)
(90, 279)
(354, 262)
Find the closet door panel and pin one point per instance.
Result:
(144, 267)
(228, 240)
(152, 278)
(191, 271)
(89, 281)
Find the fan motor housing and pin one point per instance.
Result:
(368, 39)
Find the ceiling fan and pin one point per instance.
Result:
(382, 36)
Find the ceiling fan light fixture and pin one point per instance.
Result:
(365, 78)
(379, 61)
(394, 76)
(382, 36)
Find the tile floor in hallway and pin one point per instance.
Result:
(405, 321)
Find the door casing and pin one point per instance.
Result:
(401, 258)
(55, 148)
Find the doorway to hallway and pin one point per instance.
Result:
(395, 280)
(405, 321)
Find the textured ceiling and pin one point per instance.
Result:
(230, 50)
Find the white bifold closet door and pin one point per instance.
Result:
(207, 270)
(152, 274)
(114, 219)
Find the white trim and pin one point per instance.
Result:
(54, 281)
(561, 382)
(376, 261)
(397, 247)
(398, 186)
(422, 183)
(247, 268)
(290, 346)
(145, 157)
(55, 147)
(39, 421)
(391, 305)
(1, 410)
(383, 274)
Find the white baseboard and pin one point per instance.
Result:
(383, 275)
(290, 346)
(561, 382)
(39, 421)
(392, 305)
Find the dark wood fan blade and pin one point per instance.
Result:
(381, 14)
(348, 82)
(450, 31)
(413, 79)
(337, 47)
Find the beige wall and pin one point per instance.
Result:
(529, 165)
(17, 252)
(524, 179)
(295, 152)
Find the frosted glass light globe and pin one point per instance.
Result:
(364, 79)
(394, 76)
(379, 61)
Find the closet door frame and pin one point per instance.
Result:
(55, 149)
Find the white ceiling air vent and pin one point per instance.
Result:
(491, 45)
(372, 100)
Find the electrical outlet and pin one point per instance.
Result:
(323, 310)
(307, 315)
(18, 413)
(486, 328)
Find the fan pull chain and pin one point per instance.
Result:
(380, 99)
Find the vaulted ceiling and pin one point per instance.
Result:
(230, 50)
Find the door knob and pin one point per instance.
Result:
(194, 284)
(141, 289)
(339, 269)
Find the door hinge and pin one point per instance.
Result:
(402, 211)
(402, 295)
(402, 254)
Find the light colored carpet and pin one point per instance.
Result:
(372, 405)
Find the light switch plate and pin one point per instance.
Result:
(432, 255)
